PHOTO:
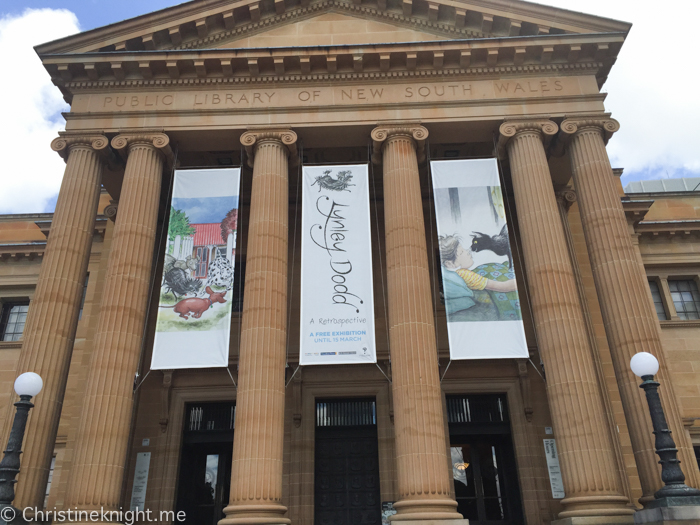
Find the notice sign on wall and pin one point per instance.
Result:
(555, 479)
(194, 310)
(138, 492)
(484, 319)
(337, 302)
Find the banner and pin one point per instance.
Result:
(337, 302)
(194, 311)
(484, 320)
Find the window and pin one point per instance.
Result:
(658, 302)
(48, 483)
(12, 319)
(686, 298)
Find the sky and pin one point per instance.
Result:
(658, 109)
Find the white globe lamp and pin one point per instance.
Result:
(28, 384)
(644, 364)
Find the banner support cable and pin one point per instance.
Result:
(232, 379)
(380, 244)
(446, 369)
(156, 250)
(138, 385)
(518, 254)
(293, 374)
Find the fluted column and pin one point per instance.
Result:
(424, 480)
(630, 320)
(256, 472)
(102, 439)
(53, 317)
(589, 470)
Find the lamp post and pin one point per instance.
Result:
(27, 386)
(674, 492)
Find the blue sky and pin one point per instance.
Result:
(651, 90)
(207, 209)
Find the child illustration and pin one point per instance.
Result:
(485, 293)
(454, 257)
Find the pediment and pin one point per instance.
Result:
(228, 23)
(332, 29)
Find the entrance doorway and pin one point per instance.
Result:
(205, 462)
(347, 463)
(483, 462)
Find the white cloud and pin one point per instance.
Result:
(30, 172)
(652, 86)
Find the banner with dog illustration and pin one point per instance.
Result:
(194, 311)
(337, 301)
(479, 289)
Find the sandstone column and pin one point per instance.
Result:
(256, 472)
(629, 316)
(53, 316)
(589, 469)
(102, 439)
(424, 481)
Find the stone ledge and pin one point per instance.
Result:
(429, 522)
(685, 515)
(596, 520)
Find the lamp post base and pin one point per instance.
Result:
(674, 501)
(671, 515)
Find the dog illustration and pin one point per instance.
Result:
(195, 306)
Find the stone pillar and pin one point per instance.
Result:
(628, 313)
(53, 317)
(256, 472)
(589, 470)
(424, 481)
(103, 434)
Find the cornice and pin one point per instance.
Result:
(560, 54)
(680, 228)
(22, 250)
(197, 21)
(636, 210)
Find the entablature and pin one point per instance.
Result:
(495, 57)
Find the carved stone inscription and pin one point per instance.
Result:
(413, 93)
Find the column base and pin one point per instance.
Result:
(255, 515)
(429, 522)
(596, 520)
(685, 515)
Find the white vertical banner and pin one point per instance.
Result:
(138, 492)
(337, 301)
(484, 320)
(555, 479)
(194, 310)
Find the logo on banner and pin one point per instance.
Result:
(337, 305)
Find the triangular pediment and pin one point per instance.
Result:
(242, 23)
(332, 29)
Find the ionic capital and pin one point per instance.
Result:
(383, 133)
(154, 138)
(111, 209)
(603, 124)
(253, 138)
(68, 140)
(543, 127)
(566, 197)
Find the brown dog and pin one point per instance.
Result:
(197, 306)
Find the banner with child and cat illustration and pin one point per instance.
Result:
(196, 292)
(337, 301)
(479, 289)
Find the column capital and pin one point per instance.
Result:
(383, 132)
(151, 137)
(111, 209)
(566, 197)
(70, 139)
(253, 137)
(544, 127)
(600, 122)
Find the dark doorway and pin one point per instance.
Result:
(346, 463)
(483, 462)
(205, 462)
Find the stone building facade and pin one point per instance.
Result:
(270, 86)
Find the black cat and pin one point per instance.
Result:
(498, 244)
